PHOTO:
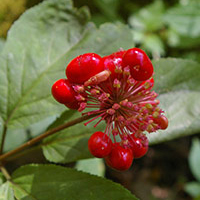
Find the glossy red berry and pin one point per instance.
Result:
(99, 144)
(81, 68)
(63, 92)
(140, 65)
(162, 121)
(73, 105)
(112, 63)
(120, 158)
(138, 147)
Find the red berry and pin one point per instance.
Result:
(162, 121)
(119, 158)
(81, 68)
(137, 146)
(140, 65)
(73, 105)
(111, 62)
(63, 92)
(99, 144)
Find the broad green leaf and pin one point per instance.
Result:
(33, 57)
(193, 189)
(194, 159)
(177, 81)
(6, 192)
(71, 144)
(185, 19)
(50, 182)
(93, 166)
(38, 48)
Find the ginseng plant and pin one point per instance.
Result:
(114, 103)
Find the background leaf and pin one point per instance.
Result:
(177, 81)
(148, 18)
(2, 42)
(6, 192)
(185, 19)
(50, 182)
(194, 158)
(93, 166)
(38, 48)
(193, 189)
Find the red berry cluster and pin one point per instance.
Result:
(116, 89)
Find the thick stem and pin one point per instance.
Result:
(44, 135)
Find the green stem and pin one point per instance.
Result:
(44, 135)
(3, 139)
(5, 172)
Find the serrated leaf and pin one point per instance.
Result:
(69, 145)
(193, 189)
(6, 192)
(93, 166)
(185, 19)
(194, 159)
(177, 81)
(50, 182)
(38, 48)
(37, 58)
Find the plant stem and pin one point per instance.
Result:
(44, 135)
(5, 172)
(3, 139)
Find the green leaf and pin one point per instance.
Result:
(38, 48)
(1, 178)
(193, 189)
(2, 42)
(194, 158)
(93, 166)
(153, 44)
(6, 192)
(34, 56)
(177, 81)
(148, 18)
(71, 144)
(175, 39)
(185, 19)
(105, 5)
(50, 182)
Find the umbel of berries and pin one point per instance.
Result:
(116, 89)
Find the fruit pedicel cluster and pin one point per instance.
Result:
(117, 89)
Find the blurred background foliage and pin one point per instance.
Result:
(160, 27)
(163, 28)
